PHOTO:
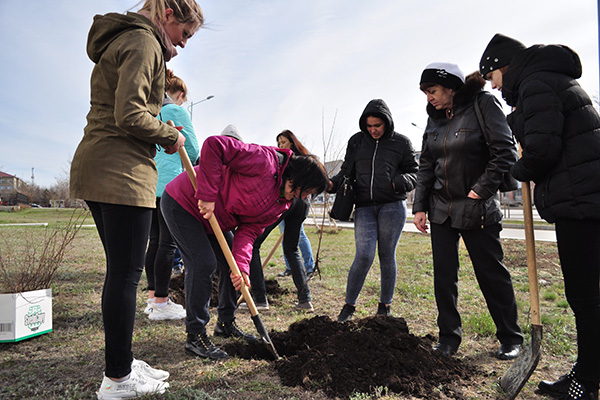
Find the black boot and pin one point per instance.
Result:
(579, 392)
(200, 345)
(346, 313)
(383, 309)
(559, 387)
(231, 329)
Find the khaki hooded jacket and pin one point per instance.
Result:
(114, 161)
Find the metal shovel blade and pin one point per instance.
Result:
(521, 369)
(264, 335)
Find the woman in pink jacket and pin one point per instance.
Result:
(247, 187)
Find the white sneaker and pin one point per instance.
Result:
(143, 368)
(149, 306)
(170, 311)
(137, 385)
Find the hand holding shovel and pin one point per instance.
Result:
(230, 260)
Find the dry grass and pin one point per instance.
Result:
(68, 363)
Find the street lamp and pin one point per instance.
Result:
(191, 106)
(416, 126)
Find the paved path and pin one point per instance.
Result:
(544, 233)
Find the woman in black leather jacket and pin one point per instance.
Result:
(559, 131)
(384, 165)
(457, 186)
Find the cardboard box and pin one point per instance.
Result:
(25, 315)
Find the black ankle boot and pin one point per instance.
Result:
(560, 387)
(346, 313)
(579, 392)
(383, 309)
(231, 329)
(200, 345)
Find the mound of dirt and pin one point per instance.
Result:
(360, 356)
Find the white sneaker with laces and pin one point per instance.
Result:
(170, 311)
(143, 368)
(137, 385)
(149, 306)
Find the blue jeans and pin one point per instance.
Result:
(376, 227)
(305, 249)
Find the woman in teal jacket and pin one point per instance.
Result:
(159, 256)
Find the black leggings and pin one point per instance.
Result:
(579, 250)
(159, 256)
(124, 233)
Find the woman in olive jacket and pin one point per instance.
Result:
(384, 165)
(559, 131)
(113, 168)
(457, 186)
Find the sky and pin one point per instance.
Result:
(310, 66)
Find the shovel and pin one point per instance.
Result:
(521, 369)
(185, 159)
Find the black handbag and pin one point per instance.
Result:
(344, 196)
(508, 183)
(344, 200)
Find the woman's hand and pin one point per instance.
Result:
(206, 208)
(237, 280)
(172, 149)
(420, 221)
(473, 195)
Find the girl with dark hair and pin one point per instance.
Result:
(247, 187)
(384, 164)
(287, 140)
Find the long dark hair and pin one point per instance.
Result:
(297, 147)
(307, 173)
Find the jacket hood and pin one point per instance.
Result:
(108, 27)
(377, 108)
(538, 58)
(474, 83)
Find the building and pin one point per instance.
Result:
(11, 190)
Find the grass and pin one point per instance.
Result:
(68, 363)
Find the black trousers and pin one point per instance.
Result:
(159, 256)
(579, 251)
(124, 233)
(485, 251)
(293, 217)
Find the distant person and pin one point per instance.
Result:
(287, 140)
(384, 165)
(161, 248)
(247, 187)
(559, 131)
(457, 188)
(113, 168)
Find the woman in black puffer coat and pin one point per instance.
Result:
(559, 131)
(457, 186)
(384, 165)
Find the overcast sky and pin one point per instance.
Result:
(270, 65)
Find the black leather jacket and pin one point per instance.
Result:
(456, 159)
(385, 169)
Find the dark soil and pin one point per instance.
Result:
(360, 356)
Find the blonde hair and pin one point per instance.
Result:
(175, 84)
(184, 11)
